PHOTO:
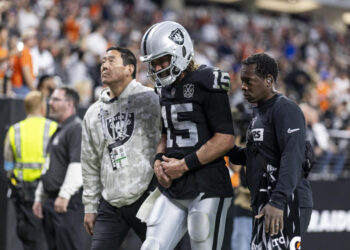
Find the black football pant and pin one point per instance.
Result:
(305, 216)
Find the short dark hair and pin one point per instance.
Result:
(265, 65)
(127, 56)
(71, 94)
(42, 79)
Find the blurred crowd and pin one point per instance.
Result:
(46, 43)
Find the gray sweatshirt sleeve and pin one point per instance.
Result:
(91, 163)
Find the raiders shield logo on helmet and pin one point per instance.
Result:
(177, 36)
(120, 127)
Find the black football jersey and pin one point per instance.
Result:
(193, 110)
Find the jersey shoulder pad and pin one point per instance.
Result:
(212, 79)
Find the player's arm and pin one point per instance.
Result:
(214, 148)
(217, 110)
(219, 120)
(163, 179)
(162, 144)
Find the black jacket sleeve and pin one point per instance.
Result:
(289, 124)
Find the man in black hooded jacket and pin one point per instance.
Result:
(274, 156)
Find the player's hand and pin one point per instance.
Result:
(89, 222)
(273, 219)
(61, 205)
(163, 179)
(38, 209)
(174, 168)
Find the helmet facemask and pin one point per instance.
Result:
(166, 76)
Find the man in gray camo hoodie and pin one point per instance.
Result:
(120, 135)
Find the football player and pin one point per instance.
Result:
(197, 131)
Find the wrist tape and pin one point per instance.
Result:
(192, 161)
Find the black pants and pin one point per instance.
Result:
(305, 216)
(29, 228)
(65, 231)
(112, 224)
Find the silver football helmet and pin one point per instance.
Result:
(166, 38)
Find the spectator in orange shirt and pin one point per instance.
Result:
(324, 89)
(22, 75)
(71, 24)
(95, 11)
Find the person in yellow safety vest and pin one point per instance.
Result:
(24, 155)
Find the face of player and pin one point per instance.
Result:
(112, 69)
(254, 88)
(160, 64)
